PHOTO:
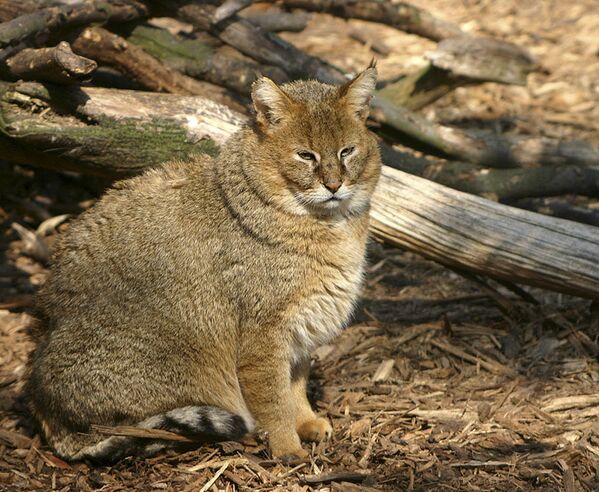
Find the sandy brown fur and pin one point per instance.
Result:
(208, 283)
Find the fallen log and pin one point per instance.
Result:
(490, 150)
(448, 226)
(484, 237)
(401, 15)
(106, 131)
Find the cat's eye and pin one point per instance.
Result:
(347, 151)
(307, 156)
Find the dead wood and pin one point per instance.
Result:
(277, 21)
(449, 226)
(457, 62)
(422, 87)
(484, 237)
(401, 15)
(560, 208)
(196, 59)
(40, 23)
(113, 50)
(486, 149)
(483, 59)
(500, 184)
(104, 131)
(57, 64)
(228, 9)
(375, 44)
(348, 476)
(271, 49)
(267, 48)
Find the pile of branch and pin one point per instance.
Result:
(111, 87)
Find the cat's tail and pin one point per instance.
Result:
(201, 424)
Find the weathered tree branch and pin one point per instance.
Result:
(400, 15)
(228, 9)
(128, 58)
(57, 64)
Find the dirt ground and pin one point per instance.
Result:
(441, 382)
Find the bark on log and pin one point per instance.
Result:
(57, 64)
(484, 237)
(448, 226)
(401, 15)
(229, 8)
(483, 59)
(110, 49)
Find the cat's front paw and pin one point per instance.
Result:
(317, 429)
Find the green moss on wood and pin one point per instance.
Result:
(107, 147)
(186, 55)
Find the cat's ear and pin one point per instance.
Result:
(270, 102)
(358, 92)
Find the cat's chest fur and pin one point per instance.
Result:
(328, 301)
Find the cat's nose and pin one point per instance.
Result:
(332, 185)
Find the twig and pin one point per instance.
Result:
(348, 476)
(132, 431)
(215, 477)
(491, 366)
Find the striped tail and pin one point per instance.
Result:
(201, 424)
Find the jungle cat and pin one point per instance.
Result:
(189, 298)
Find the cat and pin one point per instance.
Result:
(189, 298)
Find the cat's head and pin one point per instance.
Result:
(314, 148)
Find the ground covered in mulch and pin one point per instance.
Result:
(442, 382)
